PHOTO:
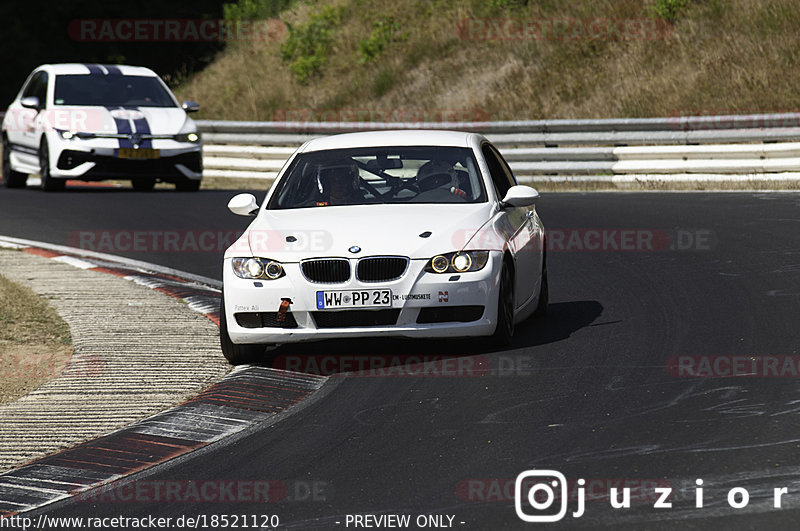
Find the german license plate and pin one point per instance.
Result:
(368, 298)
(141, 153)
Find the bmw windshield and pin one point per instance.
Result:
(111, 91)
(382, 175)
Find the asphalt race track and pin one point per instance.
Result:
(601, 390)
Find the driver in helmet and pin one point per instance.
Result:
(440, 175)
(337, 183)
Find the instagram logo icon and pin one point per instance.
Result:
(535, 492)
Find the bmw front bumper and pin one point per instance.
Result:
(424, 305)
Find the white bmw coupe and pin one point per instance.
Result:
(405, 233)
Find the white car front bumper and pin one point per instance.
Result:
(460, 305)
(97, 159)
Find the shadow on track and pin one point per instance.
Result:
(563, 319)
(340, 356)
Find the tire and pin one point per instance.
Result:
(48, 183)
(188, 185)
(236, 354)
(504, 330)
(143, 185)
(544, 293)
(11, 178)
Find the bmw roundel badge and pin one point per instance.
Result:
(355, 249)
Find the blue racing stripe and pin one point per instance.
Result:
(123, 127)
(113, 70)
(142, 128)
(94, 69)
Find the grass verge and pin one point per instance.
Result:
(35, 344)
(423, 60)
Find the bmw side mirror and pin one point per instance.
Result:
(190, 106)
(520, 196)
(243, 205)
(30, 102)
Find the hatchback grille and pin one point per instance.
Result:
(331, 271)
(381, 268)
(356, 318)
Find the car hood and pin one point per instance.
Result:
(95, 119)
(374, 229)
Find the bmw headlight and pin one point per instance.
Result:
(257, 268)
(458, 262)
(439, 264)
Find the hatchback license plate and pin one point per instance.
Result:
(141, 153)
(368, 298)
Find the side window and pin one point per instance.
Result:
(37, 86)
(31, 86)
(41, 89)
(501, 174)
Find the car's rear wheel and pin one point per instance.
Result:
(143, 185)
(187, 185)
(48, 183)
(236, 354)
(504, 330)
(11, 178)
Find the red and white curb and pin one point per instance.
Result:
(248, 396)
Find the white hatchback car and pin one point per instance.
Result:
(396, 233)
(94, 122)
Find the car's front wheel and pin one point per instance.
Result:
(11, 178)
(48, 183)
(504, 330)
(236, 354)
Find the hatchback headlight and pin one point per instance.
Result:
(458, 262)
(192, 138)
(66, 135)
(257, 268)
(74, 135)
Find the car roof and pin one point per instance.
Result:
(88, 68)
(406, 137)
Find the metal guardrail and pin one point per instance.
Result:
(674, 146)
(677, 123)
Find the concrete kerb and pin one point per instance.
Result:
(137, 352)
(113, 411)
